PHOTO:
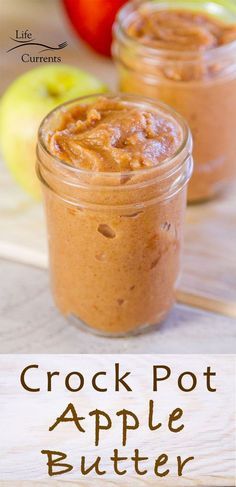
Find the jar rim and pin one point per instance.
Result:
(187, 56)
(186, 141)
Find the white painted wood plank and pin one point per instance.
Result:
(208, 434)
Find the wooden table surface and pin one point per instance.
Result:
(204, 320)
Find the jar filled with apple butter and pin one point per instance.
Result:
(114, 172)
(184, 54)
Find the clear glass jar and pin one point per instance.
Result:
(115, 239)
(199, 85)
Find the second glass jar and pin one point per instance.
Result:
(200, 86)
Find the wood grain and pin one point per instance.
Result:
(208, 432)
(209, 264)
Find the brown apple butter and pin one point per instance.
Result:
(178, 30)
(114, 173)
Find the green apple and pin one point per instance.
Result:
(24, 104)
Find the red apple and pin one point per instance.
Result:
(93, 20)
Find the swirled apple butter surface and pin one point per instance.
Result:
(186, 57)
(115, 208)
(111, 136)
(180, 30)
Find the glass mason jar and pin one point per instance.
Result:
(199, 85)
(115, 239)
